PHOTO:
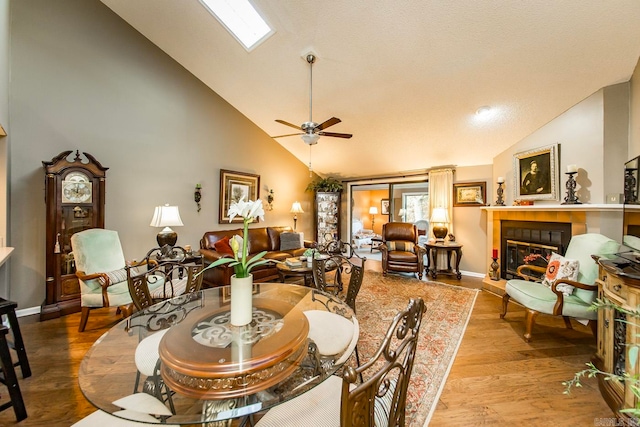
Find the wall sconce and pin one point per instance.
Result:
(439, 219)
(197, 196)
(270, 200)
(296, 208)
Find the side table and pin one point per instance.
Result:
(432, 258)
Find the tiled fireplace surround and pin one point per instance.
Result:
(576, 215)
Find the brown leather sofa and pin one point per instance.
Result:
(260, 239)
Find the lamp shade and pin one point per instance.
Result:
(439, 215)
(373, 210)
(166, 216)
(296, 208)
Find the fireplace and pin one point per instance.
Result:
(522, 238)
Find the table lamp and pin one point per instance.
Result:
(295, 210)
(373, 211)
(166, 216)
(439, 219)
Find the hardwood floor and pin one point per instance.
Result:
(496, 379)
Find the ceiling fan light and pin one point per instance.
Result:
(310, 138)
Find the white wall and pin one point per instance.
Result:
(634, 122)
(471, 222)
(82, 78)
(580, 133)
(4, 141)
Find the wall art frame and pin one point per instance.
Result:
(384, 207)
(470, 193)
(536, 173)
(234, 186)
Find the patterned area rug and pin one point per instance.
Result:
(445, 319)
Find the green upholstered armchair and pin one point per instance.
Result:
(538, 298)
(100, 268)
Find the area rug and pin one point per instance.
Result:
(448, 309)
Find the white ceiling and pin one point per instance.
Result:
(405, 76)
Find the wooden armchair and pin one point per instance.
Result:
(400, 249)
(101, 272)
(538, 298)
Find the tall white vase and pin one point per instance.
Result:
(241, 300)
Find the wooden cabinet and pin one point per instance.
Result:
(74, 198)
(614, 333)
(327, 216)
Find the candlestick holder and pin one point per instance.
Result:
(494, 274)
(500, 191)
(571, 198)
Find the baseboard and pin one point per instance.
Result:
(472, 274)
(28, 311)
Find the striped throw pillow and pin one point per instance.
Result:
(400, 245)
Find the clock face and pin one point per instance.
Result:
(77, 188)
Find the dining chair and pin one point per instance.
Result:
(379, 401)
(561, 297)
(165, 280)
(100, 268)
(137, 410)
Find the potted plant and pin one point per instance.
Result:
(328, 185)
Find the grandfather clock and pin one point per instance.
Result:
(74, 198)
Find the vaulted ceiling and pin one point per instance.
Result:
(405, 77)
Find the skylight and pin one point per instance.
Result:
(241, 19)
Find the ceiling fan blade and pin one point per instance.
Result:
(289, 134)
(332, 121)
(336, 135)
(288, 124)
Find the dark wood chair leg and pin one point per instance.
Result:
(593, 324)
(83, 319)
(9, 308)
(567, 322)
(505, 303)
(529, 321)
(10, 379)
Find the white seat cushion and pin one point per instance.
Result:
(331, 332)
(143, 403)
(147, 354)
(100, 418)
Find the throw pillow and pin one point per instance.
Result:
(558, 268)
(290, 241)
(120, 275)
(223, 247)
(399, 245)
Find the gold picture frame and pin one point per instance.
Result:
(470, 194)
(234, 186)
(539, 182)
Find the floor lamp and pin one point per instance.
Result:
(373, 211)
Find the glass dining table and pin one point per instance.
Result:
(184, 352)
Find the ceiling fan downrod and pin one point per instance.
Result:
(311, 59)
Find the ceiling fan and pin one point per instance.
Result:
(312, 131)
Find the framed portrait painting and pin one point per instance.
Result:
(470, 194)
(384, 206)
(536, 174)
(233, 187)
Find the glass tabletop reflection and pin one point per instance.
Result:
(184, 352)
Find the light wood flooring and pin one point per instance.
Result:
(497, 379)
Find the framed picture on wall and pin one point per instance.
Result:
(233, 187)
(536, 173)
(384, 206)
(470, 194)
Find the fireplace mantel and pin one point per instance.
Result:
(580, 208)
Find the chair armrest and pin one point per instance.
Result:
(310, 244)
(103, 279)
(534, 268)
(382, 247)
(557, 308)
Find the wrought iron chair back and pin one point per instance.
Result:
(385, 387)
(343, 266)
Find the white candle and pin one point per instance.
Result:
(572, 168)
(500, 179)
